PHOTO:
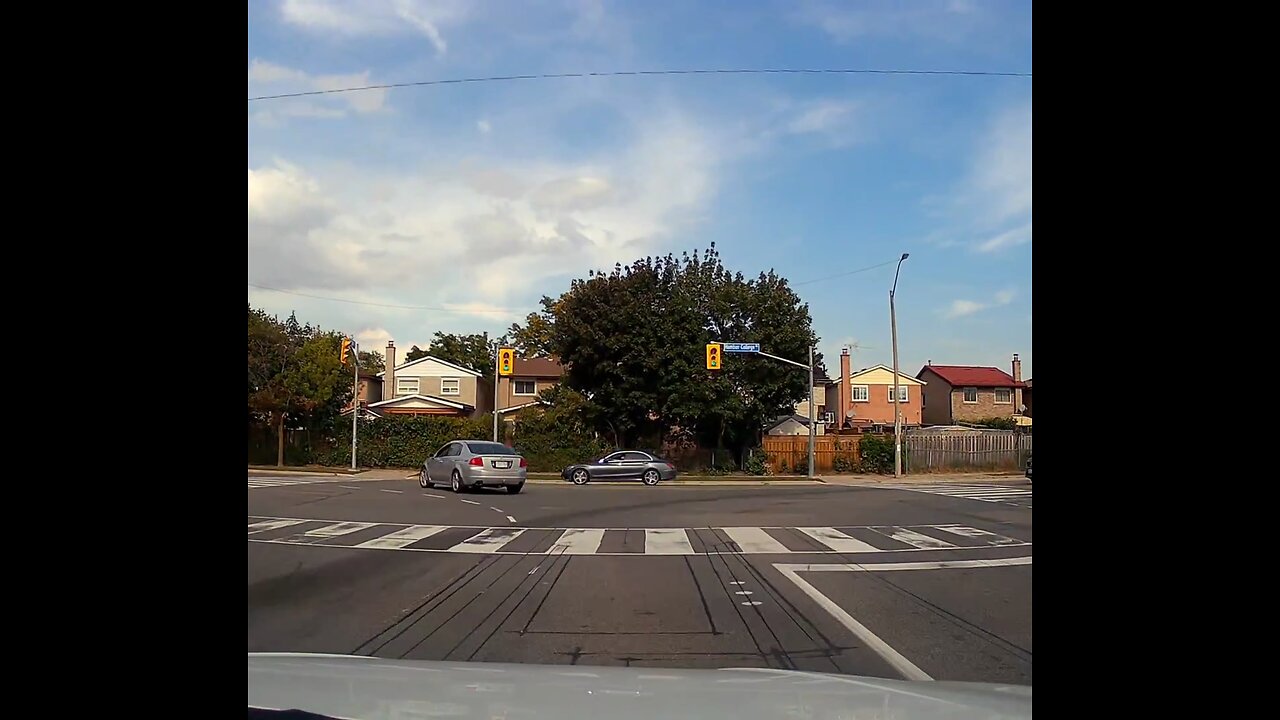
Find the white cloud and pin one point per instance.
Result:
(479, 238)
(946, 20)
(483, 126)
(961, 308)
(822, 116)
(266, 78)
(378, 17)
(1009, 238)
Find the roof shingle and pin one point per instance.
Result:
(972, 376)
(538, 367)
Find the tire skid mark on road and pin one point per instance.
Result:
(706, 607)
(797, 618)
(780, 656)
(516, 561)
(461, 580)
(515, 606)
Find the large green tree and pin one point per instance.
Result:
(295, 377)
(633, 344)
(475, 351)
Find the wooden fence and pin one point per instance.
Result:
(789, 454)
(939, 452)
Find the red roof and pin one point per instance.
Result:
(972, 376)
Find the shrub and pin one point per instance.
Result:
(844, 463)
(877, 453)
(756, 463)
(400, 441)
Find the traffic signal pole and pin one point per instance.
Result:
(496, 378)
(355, 398)
(812, 419)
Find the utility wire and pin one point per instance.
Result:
(621, 73)
(843, 274)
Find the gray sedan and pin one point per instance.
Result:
(472, 464)
(622, 465)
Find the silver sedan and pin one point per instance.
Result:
(622, 465)
(472, 464)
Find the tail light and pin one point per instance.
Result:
(524, 463)
(476, 462)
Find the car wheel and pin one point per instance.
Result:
(422, 478)
(651, 477)
(580, 477)
(515, 489)
(457, 481)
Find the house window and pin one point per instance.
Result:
(971, 394)
(450, 386)
(406, 386)
(861, 393)
(526, 387)
(902, 393)
(1004, 396)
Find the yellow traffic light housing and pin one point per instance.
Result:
(346, 349)
(713, 356)
(506, 361)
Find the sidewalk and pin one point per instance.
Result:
(552, 478)
(981, 478)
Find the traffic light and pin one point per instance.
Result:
(506, 361)
(346, 349)
(713, 356)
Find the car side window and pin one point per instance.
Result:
(615, 457)
(443, 451)
(635, 457)
(454, 450)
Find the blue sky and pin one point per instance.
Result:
(477, 199)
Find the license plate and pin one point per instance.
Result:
(504, 464)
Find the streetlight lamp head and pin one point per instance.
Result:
(906, 255)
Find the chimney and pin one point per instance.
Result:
(1017, 391)
(389, 381)
(846, 393)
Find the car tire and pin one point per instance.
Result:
(456, 484)
(515, 489)
(651, 477)
(422, 478)
(580, 477)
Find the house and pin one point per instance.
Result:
(801, 410)
(864, 398)
(430, 386)
(792, 425)
(521, 389)
(955, 393)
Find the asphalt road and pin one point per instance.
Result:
(916, 583)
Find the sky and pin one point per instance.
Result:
(394, 213)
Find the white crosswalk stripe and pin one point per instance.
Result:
(1008, 494)
(265, 482)
(624, 541)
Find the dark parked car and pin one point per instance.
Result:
(622, 465)
(1028, 468)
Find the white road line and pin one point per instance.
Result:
(744, 592)
(328, 532)
(752, 602)
(497, 510)
(989, 537)
(441, 497)
(913, 538)
(667, 542)
(579, 542)
(348, 487)
(511, 518)
(471, 502)
(266, 525)
(403, 538)
(755, 540)
(489, 541)
(837, 540)
(908, 669)
(392, 491)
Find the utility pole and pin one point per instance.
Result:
(813, 430)
(355, 398)
(897, 397)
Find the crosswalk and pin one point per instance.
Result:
(1007, 494)
(264, 482)
(624, 541)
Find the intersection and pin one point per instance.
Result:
(878, 581)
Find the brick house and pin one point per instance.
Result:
(521, 389)
(957, 393)
(864, 398)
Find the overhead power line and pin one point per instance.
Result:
(843, 274)
(621, 73)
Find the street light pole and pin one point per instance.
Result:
(897, 409)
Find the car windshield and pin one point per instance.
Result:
(489, 448)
